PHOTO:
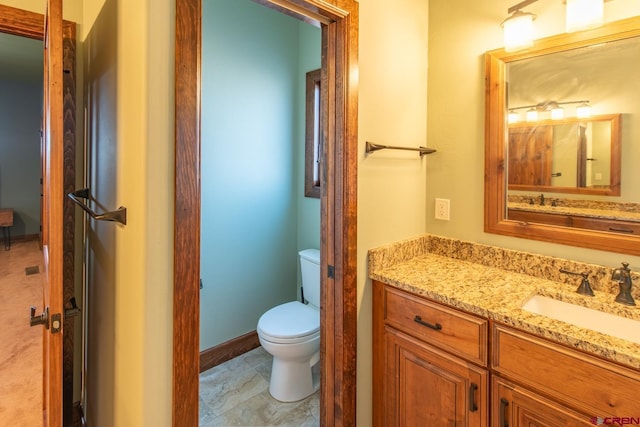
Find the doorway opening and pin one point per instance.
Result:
(338, 206)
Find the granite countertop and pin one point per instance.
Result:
(498, 294)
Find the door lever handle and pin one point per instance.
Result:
(41, 319)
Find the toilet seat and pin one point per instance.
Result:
(290, 323)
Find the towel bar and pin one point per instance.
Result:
(371, 147)
(119, 215)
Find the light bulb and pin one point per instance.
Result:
(583, 111)
(557, 113)
(518, 31)
(513, 117)
(532, 115)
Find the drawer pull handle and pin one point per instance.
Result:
(419, 320)
(621, 230)
(504, 403)
(473, 407)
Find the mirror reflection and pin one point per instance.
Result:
(570, 155)
(571, 115)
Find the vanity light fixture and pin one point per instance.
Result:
(532, 115)
(518, 27)
(518, 31)
(513, 116)
(584, 14)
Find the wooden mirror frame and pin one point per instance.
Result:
(496, 128)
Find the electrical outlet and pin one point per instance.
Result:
(442, 209)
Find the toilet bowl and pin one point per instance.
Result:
(290, 332)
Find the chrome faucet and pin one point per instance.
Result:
(623, 276)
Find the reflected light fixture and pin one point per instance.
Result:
(548, 110)
(583, 110)
(584, 14)
(557, 112)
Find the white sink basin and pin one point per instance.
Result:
(610, 324)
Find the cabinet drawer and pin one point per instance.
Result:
(588, 384)
(457, 332)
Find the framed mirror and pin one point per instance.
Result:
(562, 135)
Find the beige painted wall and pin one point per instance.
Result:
(391, 184)
(461, 31)
(72, 10)
(143, 182)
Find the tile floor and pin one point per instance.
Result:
(236, 393)
(20, 345)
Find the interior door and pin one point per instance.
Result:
(53, 200)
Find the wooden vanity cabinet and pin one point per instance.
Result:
(576, 387)
(575, 221)
(515, 406)
(429, 363)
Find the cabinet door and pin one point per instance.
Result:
(514, 406)
(425, 386)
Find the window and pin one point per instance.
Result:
(313, 136)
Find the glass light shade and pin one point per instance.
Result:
(583, 111)
(584, 14)
(532, 115)
(513, 117)
(557, 113)
(518, 31)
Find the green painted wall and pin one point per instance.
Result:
(251, 154)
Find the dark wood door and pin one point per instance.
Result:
(53, 201)
(530, 155)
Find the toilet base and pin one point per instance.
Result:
(292, 381)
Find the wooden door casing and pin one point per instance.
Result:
(339, 20)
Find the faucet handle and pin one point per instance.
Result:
(585, 286)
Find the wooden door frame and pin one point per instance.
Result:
(339, 19)
(31, 25)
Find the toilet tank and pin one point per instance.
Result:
(310, 268)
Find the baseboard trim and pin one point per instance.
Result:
(24, 237)
(228, 350)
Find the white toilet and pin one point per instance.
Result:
(290, 332)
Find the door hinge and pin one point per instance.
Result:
(331, 271)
